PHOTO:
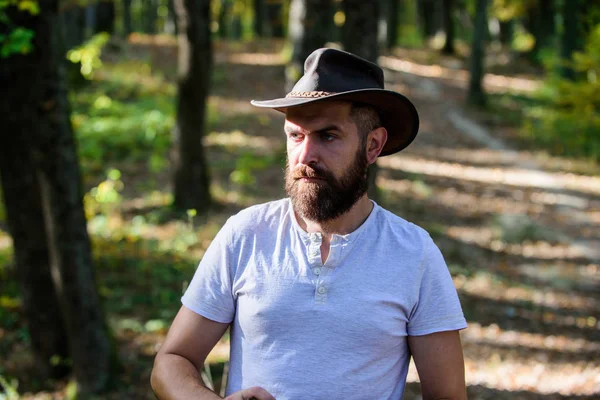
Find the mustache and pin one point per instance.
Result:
(304, 171)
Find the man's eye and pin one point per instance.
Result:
(327, 137)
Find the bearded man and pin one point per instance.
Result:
(327, 294)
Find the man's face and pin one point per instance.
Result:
(327, 165)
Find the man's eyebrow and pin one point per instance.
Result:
(328, 128)
(290, 129)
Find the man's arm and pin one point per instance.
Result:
(439, 361)
(175, 374)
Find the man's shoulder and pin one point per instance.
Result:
(401, 235)
(258, 215)
(399, 225)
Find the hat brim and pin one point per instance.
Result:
(398, 115)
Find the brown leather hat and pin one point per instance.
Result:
(334, 74)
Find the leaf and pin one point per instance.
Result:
(29, 5)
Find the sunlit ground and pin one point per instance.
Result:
(458, 77)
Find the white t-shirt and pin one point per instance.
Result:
(304, 330)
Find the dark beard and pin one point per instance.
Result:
(329, 198)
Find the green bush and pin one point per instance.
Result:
(111, 130)
(568, 121)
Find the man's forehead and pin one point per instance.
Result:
(317, 113)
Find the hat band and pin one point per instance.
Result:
(313, 94)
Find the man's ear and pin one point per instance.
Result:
(375, 142)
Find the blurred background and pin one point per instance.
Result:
(128, 139)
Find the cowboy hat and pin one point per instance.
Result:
(334, 74)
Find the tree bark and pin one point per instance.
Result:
(506, 32)
(359, 33)
(259, 17)
(90, 12)
(171, 23)
(36, 115)
(236, 24)
(150, 12)
(73, 23)
(224, 13)
(274, 10)
(547, 21)
(426, 10)
(392, 24)
(105, 16)
(569, 39)
(127, 23)
(195, 63)
(448, 8)
(310, 27)
(476, 95)
(24, 218)
(359, 36)
(540, 23)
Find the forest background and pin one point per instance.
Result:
(128, 140)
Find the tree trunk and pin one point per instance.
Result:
(259, 17)
(547, 21)
(224, 13)
(73, 24)
(426, 9)
(150, 12)
(359, 36)
(476, 95)
(392, 24)
(236, 24)
(275, 17)
(448, 27)
(171, 23)
(105, 16)
(506, 32)
(127, 23)
(310, 27)
(90, 20)
(540, 23)
(37, 118)
(570, 39)
(195, 62)
(24, 217)
(532, 23)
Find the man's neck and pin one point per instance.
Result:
(342, 225)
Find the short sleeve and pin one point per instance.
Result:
(209, 293)
(438, 307)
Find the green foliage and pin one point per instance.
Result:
(409, 34)
(87, 56)
(568, 122)
(117, 120)
(9, 389)
(18, 40)
(245, 167)
(506, 10)
(106, 196)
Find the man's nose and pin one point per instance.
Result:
(309, 150)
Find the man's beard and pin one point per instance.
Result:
(329, 198)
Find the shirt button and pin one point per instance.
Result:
(317, 271)
(321, 290)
